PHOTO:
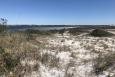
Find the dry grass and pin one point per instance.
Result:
(103, 62)
(43, 50)
(50, 60)
(16, 45)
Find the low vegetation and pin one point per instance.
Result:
(100, 33)
(77, 31)
(7, 62)
(103, 63)
(50, 60)
(30, 33)
(61, 55)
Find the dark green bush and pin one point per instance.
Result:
(61, 31)
(54, 31)
(77, 31)
(100, 33)
(32, 31)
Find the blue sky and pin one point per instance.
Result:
(58, 11)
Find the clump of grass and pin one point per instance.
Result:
(103, 62)
(7, 62)
(50, 60)
(73, 55)
(100, 33)
(67, 72)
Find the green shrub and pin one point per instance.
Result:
(61, 31)
(76, 31)
(100, 33)
(30, 33)
(54, 31)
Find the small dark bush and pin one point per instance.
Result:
(32, 31)
(76, 31)
(61, 31)
(54, 31)
(100, 33)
